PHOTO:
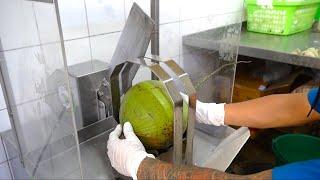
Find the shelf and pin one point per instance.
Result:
(263, 46)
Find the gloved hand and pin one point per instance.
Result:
(126, 154)
(208, 113)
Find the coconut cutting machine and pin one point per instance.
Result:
(214, 150)
(96, 89)
(129, 56)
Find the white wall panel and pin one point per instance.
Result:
(105, 16)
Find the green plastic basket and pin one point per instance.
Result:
(317, 18)
(282, 18)
(291, 148)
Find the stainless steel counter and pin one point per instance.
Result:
(279, 48)
(264, 46)
(94, 158)
(214, 147)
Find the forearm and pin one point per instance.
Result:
(271, 111)
(155, 169)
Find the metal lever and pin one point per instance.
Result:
(191, 92)
(178, 108)
(175, 96)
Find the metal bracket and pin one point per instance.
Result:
(104, 99)
(168, 81)
(44, 1)
(10, 103)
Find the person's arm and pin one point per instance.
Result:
(155, 169)
(271, 111)
(281, 110)
(128, 157)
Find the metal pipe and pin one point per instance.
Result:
(44, 1)
(155, 50)
(64, 57)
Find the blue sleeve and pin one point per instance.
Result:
(299, 170)
(311, 98)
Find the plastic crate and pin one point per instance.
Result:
(317, 18)
(281, 17)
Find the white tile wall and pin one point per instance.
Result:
(210, 22)
(231, 5)
(5, 122)
(30, 71)
(47, 22)
(105, 16)
(2, 102)
(53, 57)
(5, 171)
(73, 19)
(38, 119)
(77, 51)
(26, 73)
(3, 156)
(170, 10)
(18, 25)
(203, 8)
(169, 40)
(30, 68)
(192, 26)
(103, 46)
(224, 19)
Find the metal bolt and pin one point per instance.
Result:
(100, 93)
(105, 83)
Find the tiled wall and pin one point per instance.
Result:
(91, 29)
(30, 53)
(5, 122)
(98, 24)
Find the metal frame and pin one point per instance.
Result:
(155, 8)
(168, 81)
(64, 57)
(10, 102)
(44, 1)
(155, 39)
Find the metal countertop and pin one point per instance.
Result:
(214, 147)
(263, 46)
(279, 48)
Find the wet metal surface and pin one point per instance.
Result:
(279, 48)
(263, 46)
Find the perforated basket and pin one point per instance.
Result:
(282, 17)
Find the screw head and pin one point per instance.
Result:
(100, 93)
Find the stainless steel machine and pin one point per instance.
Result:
(61, 130)
(125, 69)
(175, 96)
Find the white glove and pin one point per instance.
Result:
(208, 113)
(126, 154)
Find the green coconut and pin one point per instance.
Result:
(148, 108)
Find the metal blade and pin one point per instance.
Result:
(135, 37)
